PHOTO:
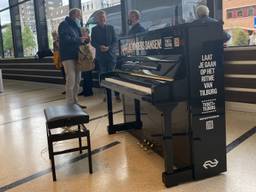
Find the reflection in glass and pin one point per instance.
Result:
(7, 33)
(112, 9)
(163, 13)
(56, 11)
(28, 28)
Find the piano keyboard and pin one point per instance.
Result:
(130, 85)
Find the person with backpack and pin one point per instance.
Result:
(86, 58)
(70, 39)
(56, 55)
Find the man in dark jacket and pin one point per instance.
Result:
(70, 39)
(134, 21)
(203, 17)
(104, 41)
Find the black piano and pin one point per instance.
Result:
(172, 86)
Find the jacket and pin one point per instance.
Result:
(206, 19)
(104, 36)
(69, 39)
(136, 29)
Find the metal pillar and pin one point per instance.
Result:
(41, 25)
(1, 42)
(124, 15)
(16, 29)
(75, 4)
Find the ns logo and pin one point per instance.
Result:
(210, 163)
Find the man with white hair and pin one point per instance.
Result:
(134, 21)
(70, 39)
(203, 17)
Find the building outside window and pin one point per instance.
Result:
(56, 11)
(240, 12)
(251, 11)
(28, 28)
(238, 17)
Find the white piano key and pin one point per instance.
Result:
(130, 85)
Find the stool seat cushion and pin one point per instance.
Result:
(65, 115)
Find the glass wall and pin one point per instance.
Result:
(113, 18)
(56, 11)
(239, 18)
(240, 22)
(28, 28)
(7, 33)
(157, 14)
(162, 13)
(189, 9)
(111, 7)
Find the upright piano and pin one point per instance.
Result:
(172, 86)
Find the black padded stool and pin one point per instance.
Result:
(65, 116)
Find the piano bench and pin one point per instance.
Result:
(67, 115)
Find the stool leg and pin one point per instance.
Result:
(48, 135)
(80, 140)
(49, 147)
(89, 151)
(52, 160)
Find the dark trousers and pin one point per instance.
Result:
(88, 83)
(63, 73)
(106, 66)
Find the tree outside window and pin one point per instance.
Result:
(7, 41)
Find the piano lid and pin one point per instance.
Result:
(154, 53)
(157, 65)
(159, 42)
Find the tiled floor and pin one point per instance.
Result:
(119, 163)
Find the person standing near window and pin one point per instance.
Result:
(104, 41)
(203, 17)
(134, 21)
(70, 39)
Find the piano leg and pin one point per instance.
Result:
(137, 111)
(110, 112)
(112, 129)
(171, 177)
(168, 142)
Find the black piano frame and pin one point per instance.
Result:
(207, 144)
(170, 176)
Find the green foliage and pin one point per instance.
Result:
(240, 37)
(28, 40)
(7, 40)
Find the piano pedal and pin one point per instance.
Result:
(146, 145)
(145, 149)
